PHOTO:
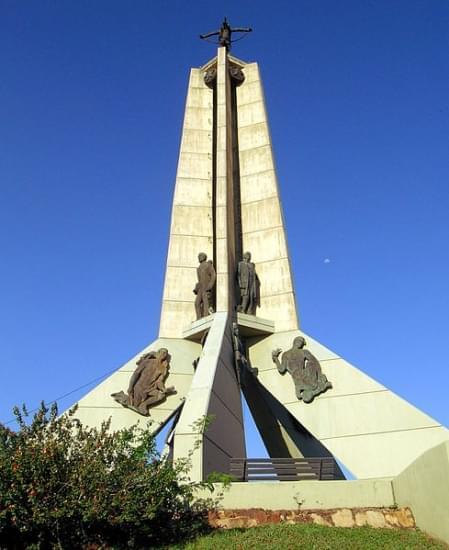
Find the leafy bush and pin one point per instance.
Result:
(67, 486)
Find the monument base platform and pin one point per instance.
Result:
(305, 495)
(249, 326)
(422, 489)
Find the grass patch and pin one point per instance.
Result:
(312, 537)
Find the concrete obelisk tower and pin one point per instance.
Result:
(226, 193)
(226, 202)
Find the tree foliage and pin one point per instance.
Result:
(64, 485)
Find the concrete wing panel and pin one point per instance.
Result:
(191, 229)
(370, 429)
(98, 405)
(263, 229)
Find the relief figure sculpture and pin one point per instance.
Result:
(304, 368)
(203, 288)
(249, 285)
(147, 384)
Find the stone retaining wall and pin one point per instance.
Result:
(391, 518)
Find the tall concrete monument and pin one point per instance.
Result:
(238, 333)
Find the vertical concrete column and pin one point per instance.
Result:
(221, 237)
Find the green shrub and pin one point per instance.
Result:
(67, 486)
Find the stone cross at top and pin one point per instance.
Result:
(225, 34)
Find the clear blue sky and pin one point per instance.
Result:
(91, 105)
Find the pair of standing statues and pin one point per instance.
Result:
(248, 283)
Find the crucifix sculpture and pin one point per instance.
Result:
(225, 34)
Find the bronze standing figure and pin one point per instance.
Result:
(203, 288)
(249, 285)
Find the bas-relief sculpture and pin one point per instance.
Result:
(235, 72)
(249, 285)
(203, 288)
(210, 77)
(147, 385)
(236, 75)
(304, 368)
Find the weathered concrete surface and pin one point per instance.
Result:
(424, 487)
